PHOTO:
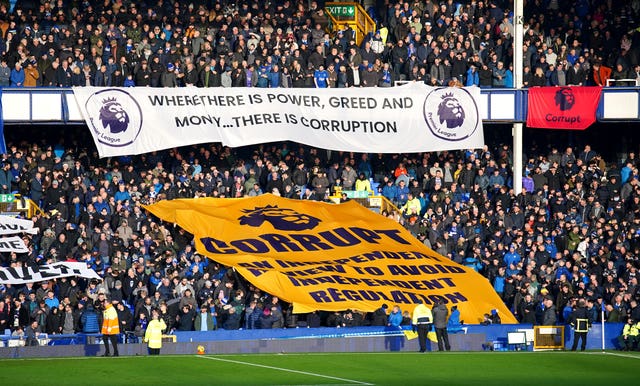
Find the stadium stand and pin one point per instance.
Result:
(573, 233)
(289, 44)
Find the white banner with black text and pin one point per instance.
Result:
(11, 225)
(409, 118)
(13, 244)
(45, 272)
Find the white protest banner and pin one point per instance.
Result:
(13, 244)
(409, 118)
(45, 272)
(11, 225)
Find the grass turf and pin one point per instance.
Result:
(455, 368)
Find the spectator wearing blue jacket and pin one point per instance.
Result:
(403, 193)
(496, 180)
(101, 204)
(390, 191)
(17, 76)
(395, 317)
(563, 270)
(321, 77)
(263, 76)
(198, 265)
(129, 82)
(472, 77)
(499, 281)
(550, 247)
(454, 324)
(122, 194)
(499, 75)
(252, 316)
(89, 320)
(274, 76)
(626, 172)
(154, 281)
(512, 257)
(508, 78)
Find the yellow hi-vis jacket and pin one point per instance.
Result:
(110, 324)
(153, 335)
(422, 315)
(631, 329)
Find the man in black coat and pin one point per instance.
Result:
(53, 194)
(125, 317)
(576, 75)
(527, 310)
(20, 315)
(379, 317)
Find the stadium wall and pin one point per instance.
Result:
(322, 340)
(461, 342)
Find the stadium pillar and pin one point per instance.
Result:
(517, 157)
(518, 32)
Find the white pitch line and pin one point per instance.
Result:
(323, 384)
(615, 354)
(351, 381)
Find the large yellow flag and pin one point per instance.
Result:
(409, 334)
(321, 256)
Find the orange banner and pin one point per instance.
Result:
(321, 256)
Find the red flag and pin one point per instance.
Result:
(571, 108)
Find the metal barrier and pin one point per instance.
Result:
(626, 82)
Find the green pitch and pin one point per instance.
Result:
(487, 368)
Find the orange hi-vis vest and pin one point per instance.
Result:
(110, 323)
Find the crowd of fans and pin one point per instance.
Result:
(291, 44)
(574, 233)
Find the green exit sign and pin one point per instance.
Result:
(356, 193)
(6, 198)
(342, 11)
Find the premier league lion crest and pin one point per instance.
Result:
(115, 117)
(565, 99)
(283, 219)
(451, 113)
